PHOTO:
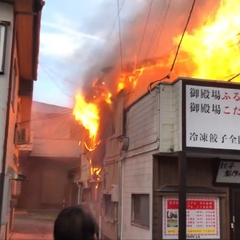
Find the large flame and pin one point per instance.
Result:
(211, 52)
(87, 114)
(214, 48)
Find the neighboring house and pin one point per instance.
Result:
(19, 48)
(141, 129)
(46, 161)
(111, 208)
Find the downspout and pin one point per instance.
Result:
(122, 162)
(120, 185)
(119, 198)
(4, 157)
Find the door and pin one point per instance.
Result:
(235, 221)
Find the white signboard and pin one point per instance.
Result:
(212, 117)
(202, 218)
(228, 172)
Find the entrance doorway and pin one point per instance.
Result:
(235, 221)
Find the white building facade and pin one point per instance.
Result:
(142, 130)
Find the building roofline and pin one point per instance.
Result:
(175, 81)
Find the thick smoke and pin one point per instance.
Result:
(166, 21)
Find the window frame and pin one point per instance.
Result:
(109, 204)
(139, 222)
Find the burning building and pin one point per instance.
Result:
(148, 127)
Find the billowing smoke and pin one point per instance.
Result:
(141, 44)
(166, 20)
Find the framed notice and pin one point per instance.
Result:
(212, 117)
(202, 218)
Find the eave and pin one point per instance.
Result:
(27, 22)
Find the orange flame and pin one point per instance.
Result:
(88, 115)
(214, 48)
(212, 53)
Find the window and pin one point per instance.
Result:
(108, 206)
(140, 209)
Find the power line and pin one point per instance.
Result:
(119, 31)
(144, 31)
(155, 30)
(110, 33)
(162, 26)
(53, 80)
(232, 78)
(178, 48)
(64, 78)
(47, 117)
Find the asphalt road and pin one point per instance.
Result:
(33, 226)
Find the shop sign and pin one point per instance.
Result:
(202, 218)
(228, 172)
(212, 117)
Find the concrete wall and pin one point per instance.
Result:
(55, 132)
(142, 129)
(47, 186)
(170, 117)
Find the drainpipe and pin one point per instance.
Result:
(122, 160)
(79, 194)
(120, 194)
(4, 156)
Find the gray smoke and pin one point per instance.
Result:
(163, 25)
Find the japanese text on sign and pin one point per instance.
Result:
(212, 117)
(202, 218)
(228, 172)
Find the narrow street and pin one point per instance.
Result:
(33, 225)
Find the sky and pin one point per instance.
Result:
(72, 34)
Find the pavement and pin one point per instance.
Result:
(33, 225)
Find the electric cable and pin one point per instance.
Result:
(232, 78)
(162, 26)
(119, 33)
(155, 31)
(178, 48)
(144, 30)
(110, 33)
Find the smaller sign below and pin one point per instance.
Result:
(228, 172)
(202, 218)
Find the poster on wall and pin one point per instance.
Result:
(212, 117)
(202, 218)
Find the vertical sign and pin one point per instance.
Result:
(202, 218)
(212, 117)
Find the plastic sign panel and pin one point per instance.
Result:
(202, 218)
(228, 172)
(212, 117)
(3, 30)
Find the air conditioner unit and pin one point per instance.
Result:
(22, 136)
(114, 193)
